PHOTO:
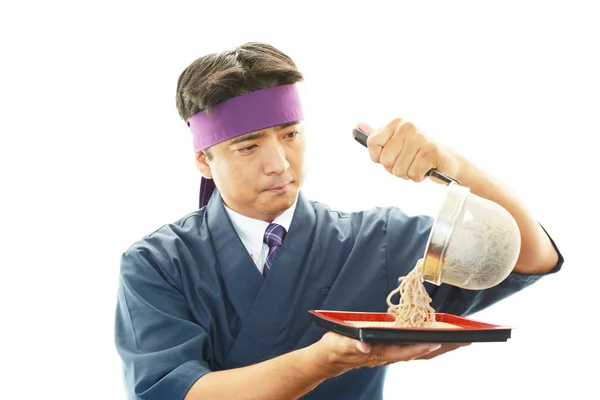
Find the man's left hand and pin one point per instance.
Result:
(406, 152)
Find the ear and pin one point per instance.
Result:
(203, 165)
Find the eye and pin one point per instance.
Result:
(247, 149)
(292, 135)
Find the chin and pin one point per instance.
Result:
(278, 203)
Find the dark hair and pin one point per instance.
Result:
(217, 77)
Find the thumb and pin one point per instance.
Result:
(362, 346)
(365, 128)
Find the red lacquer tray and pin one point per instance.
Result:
(377, 327)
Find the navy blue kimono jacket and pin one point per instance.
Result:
(191, 299)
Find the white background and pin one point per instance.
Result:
(94, 156)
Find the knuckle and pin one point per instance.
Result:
(399, 171)
(415, 176)
(376, 360)
(408, 127)
(377, 138)
(396, 122)
(387, 160)
(431, 150)
(348, 349)
(388, 169)
(345, 347)
(375, 155)
(372, 140)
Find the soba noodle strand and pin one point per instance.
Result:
(413, 309)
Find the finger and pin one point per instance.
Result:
(381, 136)
(393, 148)
(446, 348)
(419, 167)
(348, 346)
(373, 147)
(379, 139)
(339, 343)
(429, 157)
(363, 347)
(388, 354)
(407, 158)
(368, 130)
(400, 150)
(365, 128)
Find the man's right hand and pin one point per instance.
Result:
(335, 354)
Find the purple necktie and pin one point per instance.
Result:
(273, 238)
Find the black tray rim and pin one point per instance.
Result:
(496, 333)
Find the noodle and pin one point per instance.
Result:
(413, 309)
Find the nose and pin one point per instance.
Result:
(275, 162)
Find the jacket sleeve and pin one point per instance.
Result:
(163, 349)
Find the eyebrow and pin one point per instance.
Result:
(258, 134)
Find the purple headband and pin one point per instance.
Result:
(240, 115)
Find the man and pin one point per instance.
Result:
(215, 306)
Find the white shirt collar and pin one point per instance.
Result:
(251, 231)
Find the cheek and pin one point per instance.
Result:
(224, 176)
(298, 161)
(238, 179)
(232, 176)
(299, 166)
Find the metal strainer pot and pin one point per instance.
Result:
(474, 243)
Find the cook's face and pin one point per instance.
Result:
(260, 173)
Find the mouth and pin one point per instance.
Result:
(278, 188)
